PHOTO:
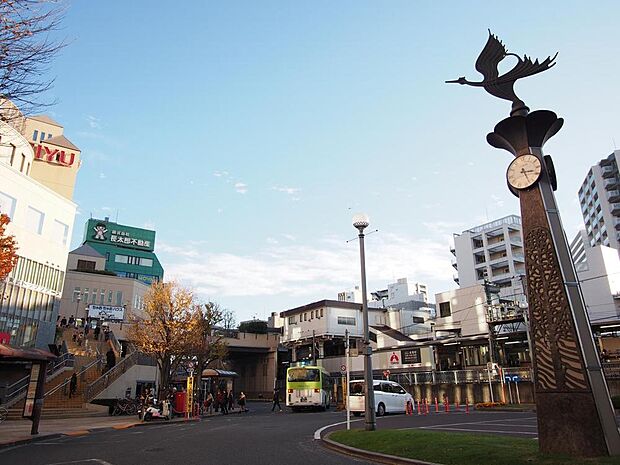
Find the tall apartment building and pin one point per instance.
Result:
(599, 198)
(494, 252)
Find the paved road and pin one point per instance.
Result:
(256, 438)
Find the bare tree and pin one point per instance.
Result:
(27, 48)
(228, 319)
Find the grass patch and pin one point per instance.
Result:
(458, 448)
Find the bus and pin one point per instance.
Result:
(308, 386)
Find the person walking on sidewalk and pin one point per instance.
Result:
(276, 400)
(241, 402)
(231, 400)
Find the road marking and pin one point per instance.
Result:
(99, 461)
(317, 433)
(77, 433)
(476, 430)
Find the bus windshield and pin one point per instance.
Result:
(303, 374)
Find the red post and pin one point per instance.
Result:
(446, 405)
(466, 406)
(456, 406)
(427, 407)
(436, 405)
(419, 408)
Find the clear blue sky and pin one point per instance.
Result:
(248, 133)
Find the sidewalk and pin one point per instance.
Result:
(18, 431)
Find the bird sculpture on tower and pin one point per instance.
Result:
(503, 86)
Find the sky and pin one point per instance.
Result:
(247, 134)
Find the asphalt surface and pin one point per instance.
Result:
(255, 438)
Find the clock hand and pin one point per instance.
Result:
(525, 174)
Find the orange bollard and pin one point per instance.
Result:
(466, 406)
(456, 406)
(436, 406)
(419, 408)
(446, 405)
(427, 408)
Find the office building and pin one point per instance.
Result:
(128, 251)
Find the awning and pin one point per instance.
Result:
(213, 373)
(14, 353)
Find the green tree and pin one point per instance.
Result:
(254, 326)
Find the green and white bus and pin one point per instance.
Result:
(308, 386)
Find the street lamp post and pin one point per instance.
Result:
(77, 307)
(360, 222)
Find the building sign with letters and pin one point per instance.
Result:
(106, 312)
(410, 356)
(106, 232)
(52, 155)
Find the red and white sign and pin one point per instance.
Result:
(5, 338)
(394, 359)
(52, 155)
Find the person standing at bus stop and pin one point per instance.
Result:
(276, 400)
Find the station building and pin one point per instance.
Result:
(36, 192)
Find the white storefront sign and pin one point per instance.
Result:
(106, 312)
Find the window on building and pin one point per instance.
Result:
(110, 297)
(85, 295)
(34, 220)
(85, 265)
(312, 315)
(321, 312)
(119, 298)
(292, 320)
(7, 204)
(42, 136)
(146, 261)
(444, 309)
(76, 294)
(49, 136)
(305, 317)
(13, 148)
(35, 134)
(60, 231)
(93, 300)
(22, 164)
(121, 258)
(346, 320)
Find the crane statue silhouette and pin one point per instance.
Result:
(503, 86)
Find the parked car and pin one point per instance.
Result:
(390, 397)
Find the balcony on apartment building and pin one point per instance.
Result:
(617, 223)
(613, 196)
(455, 278)
(611, 183)
(615, 208)
(454, 264)
(608, 171)
(497, 244)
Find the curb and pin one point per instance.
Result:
(368, 455)
(86, 431)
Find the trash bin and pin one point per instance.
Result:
(180, 400)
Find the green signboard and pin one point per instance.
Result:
(106, 232)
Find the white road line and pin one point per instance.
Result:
(480, 430)
(508, 419)
(317, 433)
(99, 461)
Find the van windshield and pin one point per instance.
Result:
(357, 388)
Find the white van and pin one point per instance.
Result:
(390, 397)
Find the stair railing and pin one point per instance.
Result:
(97, 386)
(81, 374)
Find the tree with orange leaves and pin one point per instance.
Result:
(165, 332)
(8, 248)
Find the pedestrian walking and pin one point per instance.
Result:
(73, 385)
(231, 400)
(110, 357)
(80, 338)
(71, 321)
(276, 400)
(223, 402)
(63, 322)
(96, 332)
(241, 402)
(209, 403)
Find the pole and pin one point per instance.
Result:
(346, 388)
(313, 349)
(490, 384)
(370, 420)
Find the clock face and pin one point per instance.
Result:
(524, 171)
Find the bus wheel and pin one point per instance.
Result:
(380, 410)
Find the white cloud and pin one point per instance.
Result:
(102, 176)
(272, 240)
(93, 122)
(290, 237)
(287, 190)
(241, 188)
(497, 200)
(307, 271)
(220, 174)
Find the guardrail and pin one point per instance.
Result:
(477, 375)
(97, 386)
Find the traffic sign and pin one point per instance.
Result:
(343, 368)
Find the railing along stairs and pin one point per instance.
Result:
(17, 391)
(106, 379)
